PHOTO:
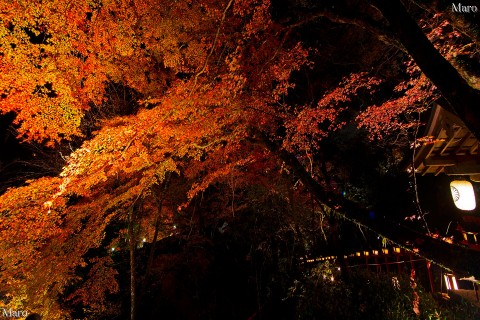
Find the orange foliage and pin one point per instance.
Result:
(211, 78)
(194, 125)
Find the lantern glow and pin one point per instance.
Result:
(450, 282)
(447, 283)
(463, 194)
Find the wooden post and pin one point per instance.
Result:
(430, 277)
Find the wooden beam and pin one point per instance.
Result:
(474, 148)
(462, 141)
(451, 160)
(462, 170)
(439, 170)
(423, 153)
(424, 171)
(450, 140)
(439, 161)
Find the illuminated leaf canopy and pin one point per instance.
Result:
(217, 84)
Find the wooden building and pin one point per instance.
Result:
(448, 147)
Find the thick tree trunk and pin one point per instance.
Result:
(159, 200)
(463, 99)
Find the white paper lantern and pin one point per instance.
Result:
(463, 195)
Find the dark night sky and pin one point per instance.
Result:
(11, 151)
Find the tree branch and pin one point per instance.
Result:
(364, 23)
(462, 98)
(213, 46)
(448, 256)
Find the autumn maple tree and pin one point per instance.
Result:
(214, 83)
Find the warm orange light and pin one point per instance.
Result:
(366, 253)
(396, 250)
(448, 240)
(450, 282)
(455, 286)
(447, 282)
(385, 251)
(375, 252)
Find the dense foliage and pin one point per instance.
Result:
(177, 104)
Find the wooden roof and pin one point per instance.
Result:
(450, 148)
